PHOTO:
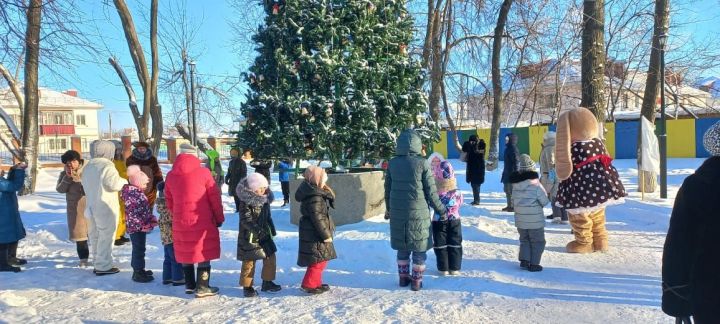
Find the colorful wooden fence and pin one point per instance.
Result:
(684, 139)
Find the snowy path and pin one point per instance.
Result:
(621, 285)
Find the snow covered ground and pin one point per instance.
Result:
(622, 285)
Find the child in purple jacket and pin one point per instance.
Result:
(139, 220)
(447, 232)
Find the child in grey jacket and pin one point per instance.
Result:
(529, 197)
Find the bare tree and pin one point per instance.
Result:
(148, 80)
(492, 160)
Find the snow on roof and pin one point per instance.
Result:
(712, 84)
(50, 99)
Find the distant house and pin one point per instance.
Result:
(536, 94)
(61, 116)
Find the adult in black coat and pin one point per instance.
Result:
(691, 256)
(262, 166)
(510, 165)
(475, 170)
(237, 170)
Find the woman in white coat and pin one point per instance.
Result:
(102, 182)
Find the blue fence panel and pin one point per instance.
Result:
(626, 138)
(701, 126)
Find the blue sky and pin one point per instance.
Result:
(96, 80)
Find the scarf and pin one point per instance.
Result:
(148, 154)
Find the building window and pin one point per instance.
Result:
(80, 120)
(57, 144)
(56, 118)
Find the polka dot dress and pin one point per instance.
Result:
(591, 186)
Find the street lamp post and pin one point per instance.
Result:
(193, 129)
(662, 136)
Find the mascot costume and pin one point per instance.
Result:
(589, 182)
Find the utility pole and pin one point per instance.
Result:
(663, 126)
(110, 124)
(193, 131)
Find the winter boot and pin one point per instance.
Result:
(404, 272)
(203, 288)
(524, 264)
(535, 268)
(325, 287)
(249, 292)
(4, 265)
(189, 273)
(417, 275)
(142, 276)
(13, 260)
(314, 291)
(270, 286)
(110, 271)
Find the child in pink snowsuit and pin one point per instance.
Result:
(139, 220)
(447, 231)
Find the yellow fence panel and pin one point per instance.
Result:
(441, 147)
(610, 138)
(681, 138)
(536, 134)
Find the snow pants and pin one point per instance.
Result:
(532, 245)
(313, 275)
(101, 232)
(447, 244)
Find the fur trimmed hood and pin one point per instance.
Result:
(249, 197)
(517, 177)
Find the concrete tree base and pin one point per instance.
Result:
(358, 196)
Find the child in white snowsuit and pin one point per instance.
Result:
(529, 197)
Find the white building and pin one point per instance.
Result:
(537, 93)
(61, 116)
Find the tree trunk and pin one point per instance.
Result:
(436, 76)
(138, 57)
(427, 46)
(497, 85)
(155, 109)
(593, 60)
(30, 117)
(652, 86)
(186, 88)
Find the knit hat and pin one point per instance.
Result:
(102, 149)
(445, 177)
(136, 177)
(526, 163)
(141, 144)
(256, 181)
(70, 156)
(186, 148)
(711, 140)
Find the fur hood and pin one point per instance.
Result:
(517, 177)
(249, 197)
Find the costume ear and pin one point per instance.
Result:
(563, 159)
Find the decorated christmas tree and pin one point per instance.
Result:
(333, 80)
